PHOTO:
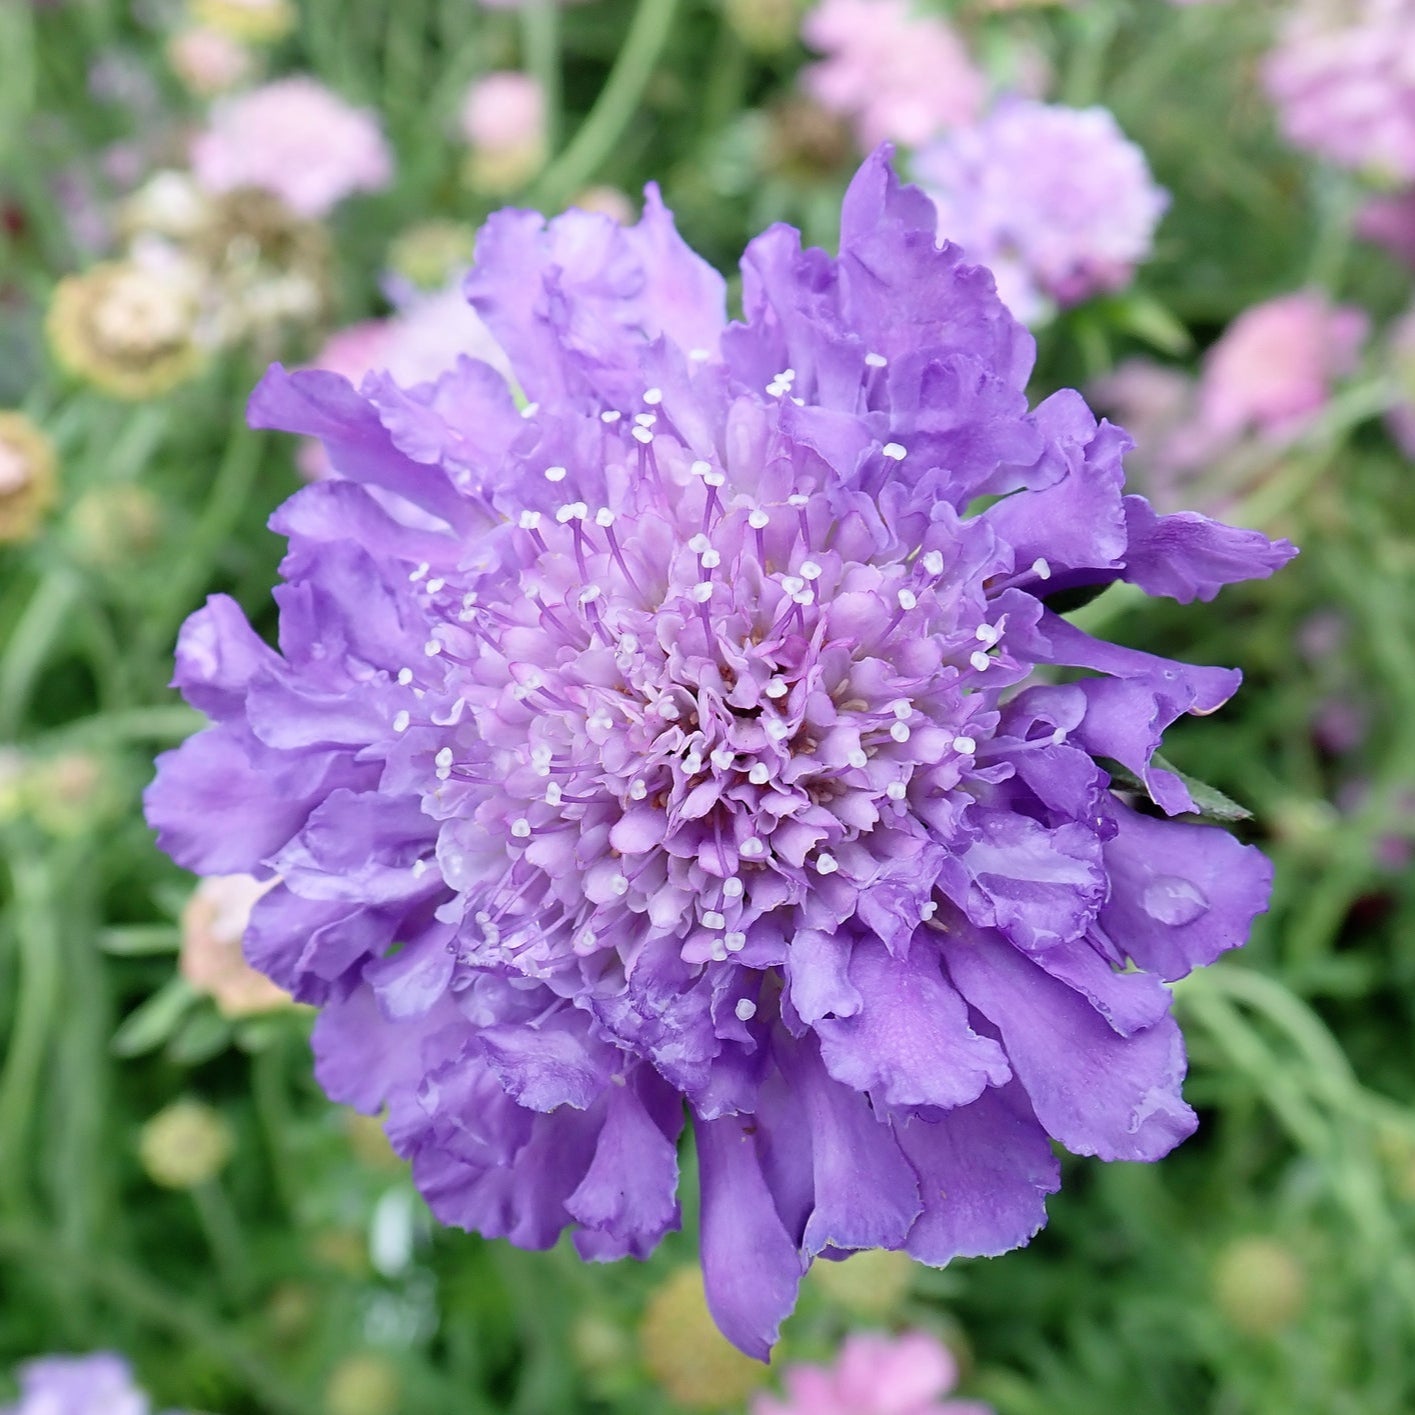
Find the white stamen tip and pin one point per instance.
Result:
(432, 648)
(529, 520)
(699, 356)
(751, 848)
(604, 517)
(857, 757)
(638, 790)
(758, 520)
(732, 887)
(979, 660)
(405, 676)
(777, 688)
(826, 864)
(713, 920)
(760, 774)
(933, 562)
(417, 574)
(902, 708)
(702, 591)
(433, 586)
(555, 474)
(610, 415)
(966, 745)
(810, 570)
(530, 410)
(653, 396)
(553, 793)
(908, 599)
(900, 731)
(1041, 569)
(521, 828)
(796, 499)
(723, 757)
(401, 721)
(894, 451)
(620, 884)
(928, 911)
(986, 634)
(642, 434)
(700, 468)
(734, 941)
(746, 1009)
(896, 791)
(876, 361)
(444, 757)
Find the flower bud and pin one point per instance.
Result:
(363, 1384)
(503, 122)
(124, 328)
(111, 527)
(870, 1284)
(185, 1145)
(685, 1353)
(71, 793)
(28, 485)
(428, 254)
(1259, 1285)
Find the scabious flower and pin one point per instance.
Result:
(125, 328)
(1056, 201)
(295, 139)
(503, 123)
(28, 483)
(671, 744)
(100, 1384)
(1274, 367)
(897, 75)
(214, 922)
(1341, 77)
(875, 1375)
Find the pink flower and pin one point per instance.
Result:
(898, 76)
(1342, 79)
(503, 111)
(875, 1375)
(1274, 366)
(207, 61)
(1389, 222)
(213, 927)
(296, 139)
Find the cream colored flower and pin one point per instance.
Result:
(28, 485)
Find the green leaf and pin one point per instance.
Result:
(151, 1023)
(201, 1036)
(1147, 319)
(136, 940)
(1212, 804)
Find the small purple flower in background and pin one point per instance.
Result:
(899, 76)
(1056, 201)
(1273, 369)
(1389, 222)
(1342, 79)
(875, 1375)
(672, 743)
(295, 139)
(100, 1384)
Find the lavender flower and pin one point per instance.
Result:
(100, 1384)
(670, 744)
(1343, 83)
(1056, 201)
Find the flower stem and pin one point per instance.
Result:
(540, 39)
(602, 129)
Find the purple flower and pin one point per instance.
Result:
(1056, 201)
(100, 1384)
(669, 745)
(1343, 83)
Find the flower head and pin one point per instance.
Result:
(185, 1145)
(100, 1384)
(208, 61)
(28, 484)
(875, 1375)
(127, 329)
(503, 122)
(671, 744)
(1056, 201)
(1274, 367)
(898, 75)
(295, 139)
(1343, 83)
(213, 925)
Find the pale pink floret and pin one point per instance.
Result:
(213, 926)
(504, 111)
(899, 76)
(296, 139)
(1275, 365)
(875, 1375)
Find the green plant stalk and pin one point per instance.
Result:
(35, 635)
(540, 39)
(36, 933)
(613, 110)
(222, 1231)
(134, 1293)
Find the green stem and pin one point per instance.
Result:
(540, 37)
(133, 1292)
(602, 129)
(32, 641)
(229, 493)
(36, 934)
(222, 1231)
(164, 726)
